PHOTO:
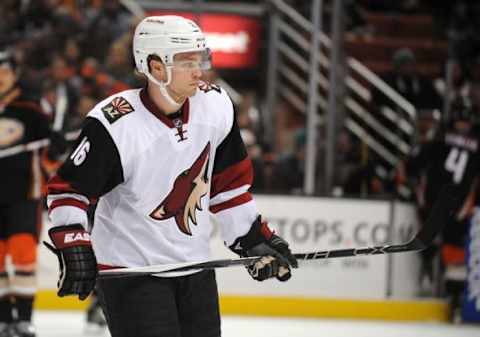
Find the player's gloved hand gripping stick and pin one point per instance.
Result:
(276, 257)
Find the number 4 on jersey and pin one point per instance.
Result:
(456, 163)
(80, 154)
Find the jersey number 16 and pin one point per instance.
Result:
(80, 154)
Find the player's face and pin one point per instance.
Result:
(7, 77)
(186, 73)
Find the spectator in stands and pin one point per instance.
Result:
(463, 33)
(110, 23)
(460, 86)
(289, 170)
(72, 54)
(355, 169)
(97, 82)
(347, 159)
(255, 153)
(355, 21)
(119, 63)
(85, 104)
(60, 96)
(406, 80)
(363, 181)
(89, 69)
(441, 11)
(475, 97)
(9, 25)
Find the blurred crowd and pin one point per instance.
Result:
(71, 53)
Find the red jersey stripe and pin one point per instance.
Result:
(67, 202)
(241, 199)
(235, 176)
(56, 185)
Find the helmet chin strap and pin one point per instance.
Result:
(162, 87)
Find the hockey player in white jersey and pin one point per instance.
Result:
(158, 159)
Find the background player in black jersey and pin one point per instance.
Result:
(452, 156)
(21, 122)
(187, 158)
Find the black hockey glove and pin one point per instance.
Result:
(276, 256)
(78, 266)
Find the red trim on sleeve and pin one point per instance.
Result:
(266, 231)
(239, 200)
(233, 177)
(67, 202)
(57, 185)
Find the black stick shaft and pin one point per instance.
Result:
(326, 254)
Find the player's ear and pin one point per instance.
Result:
(157, 69)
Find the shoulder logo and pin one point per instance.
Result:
(116, 109)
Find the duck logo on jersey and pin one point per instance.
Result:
(184, 199)
(11, 131)
(116, 109)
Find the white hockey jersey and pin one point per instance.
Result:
(156, 178)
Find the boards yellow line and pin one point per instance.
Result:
(430, 310)
(392, 310)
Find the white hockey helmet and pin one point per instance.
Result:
(166, 36)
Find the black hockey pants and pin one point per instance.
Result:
(148, 306)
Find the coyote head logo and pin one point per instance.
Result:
(185, 197)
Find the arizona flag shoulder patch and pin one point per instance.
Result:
(116, 109)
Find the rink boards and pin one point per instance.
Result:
(378, 287)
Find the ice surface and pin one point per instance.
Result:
(72, 324)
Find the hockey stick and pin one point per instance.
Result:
(443, 209)
(35, 145)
